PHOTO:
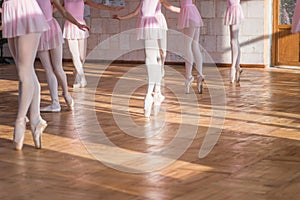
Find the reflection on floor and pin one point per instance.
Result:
(106, 149)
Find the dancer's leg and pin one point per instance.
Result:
(23, 49)
(189, 58)
(26, 49)
(56, 60)
(153, 71)
(45, 59)
(76, 57)
(198, 59)
(197, 52)
(163, 52)
(235, 51)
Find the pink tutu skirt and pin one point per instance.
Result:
(72, 32)
(51, 38)
(189, 16)
(22, 17)
(234, 15)
(148, 28)
(296, 18)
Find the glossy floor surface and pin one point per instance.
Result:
(231, 142)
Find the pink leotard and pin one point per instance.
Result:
(189, 15)
(22, 17)
(76, 9)
(51, 38)
(234, 13)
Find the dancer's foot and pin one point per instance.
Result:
(69, 101)
(200, 80)
(232, 75)
(19, 133)
(158, 99)
(162, 71)
(37, 129)
(238, 74)
(148, 105)
(188, 83)
(81, 83)
(54, 107)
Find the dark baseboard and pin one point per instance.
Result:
(168, 63)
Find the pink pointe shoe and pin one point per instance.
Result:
(37, 130)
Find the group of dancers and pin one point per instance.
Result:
(30, 28)
(152, 28)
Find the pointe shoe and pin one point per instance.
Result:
(82, 83)
(238, 74)
(37, 130)
(162, 71)
(158, 99)
(148, 105)
(70, 102)
(19, 133)
(54, 107)
(200, 80)
(232, 75)
(188, 83)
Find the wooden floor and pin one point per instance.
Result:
(256, 157)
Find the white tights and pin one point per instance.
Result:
(153, 66)
(193, 52)
(235, 49)
(52, 62)
(23, 49)
(78, 52)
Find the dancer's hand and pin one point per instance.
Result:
(83, 27)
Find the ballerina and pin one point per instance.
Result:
(23, 22)
(77, 38)
(233, 18)
(152, 30)
(50, 53)
(190, 21)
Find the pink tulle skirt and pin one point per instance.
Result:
(234, 15)
(296, 18)
(22, 17)
(189, 16)
(148, 28)
(51, 38)
(72, 32)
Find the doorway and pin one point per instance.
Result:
(286, 46)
